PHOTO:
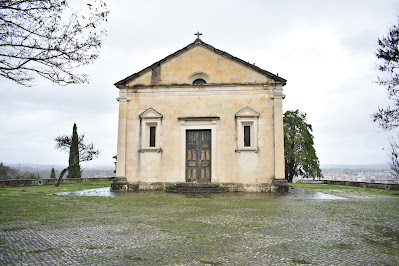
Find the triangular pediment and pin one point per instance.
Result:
(247, 112)
(199, 56)
(150, 113)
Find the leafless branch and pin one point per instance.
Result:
(37, 39)
(87, 152)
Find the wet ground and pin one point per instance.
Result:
(294, 193)
(155, 228)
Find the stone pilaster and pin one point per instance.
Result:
(279, 162)
(120, 182)
(279, 166)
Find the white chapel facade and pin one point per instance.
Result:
(201, 115)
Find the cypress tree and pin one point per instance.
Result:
(74, 170)
(52, 175)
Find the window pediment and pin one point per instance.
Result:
(247, 120)
(150, 130)
(150, 113)
(247, 112)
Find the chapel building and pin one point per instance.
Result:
(201, 115)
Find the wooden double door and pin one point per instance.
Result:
(198, 156)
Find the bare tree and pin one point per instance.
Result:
(394, 158)
(86, 151)
(47, 38)
(388, 117)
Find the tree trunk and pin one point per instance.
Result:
(62, 175)
(290, 177)
(289, 172)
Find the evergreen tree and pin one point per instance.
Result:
(52, 175)
(3, 171)
(83, 152)
(115, 157)
(7, 172)
(300, 155)
(74, 166)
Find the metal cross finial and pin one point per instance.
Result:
(198, 34)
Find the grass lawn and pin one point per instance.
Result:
(153, 228)
(38, 204)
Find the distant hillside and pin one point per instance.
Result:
(45, 170)
(355, 166)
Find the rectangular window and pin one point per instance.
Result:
(152, 136)
(247, 136)
(247, 130)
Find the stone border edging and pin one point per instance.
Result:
(352, 183)
(38, 182)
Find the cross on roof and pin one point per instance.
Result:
(198, 34)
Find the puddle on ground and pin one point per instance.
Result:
(302, 193)
(294, 193)
(103, 192)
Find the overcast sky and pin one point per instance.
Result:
(325, 50)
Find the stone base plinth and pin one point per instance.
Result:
(241, 187)
(279, 186)
(119, 184)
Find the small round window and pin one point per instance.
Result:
(199, 81)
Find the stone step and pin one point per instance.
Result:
(195, 192)
(205, 188)
(197, 188)
(201, 185)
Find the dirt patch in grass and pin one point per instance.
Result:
(206, 262)
(298, 261)
(134, 258)
(392, 234)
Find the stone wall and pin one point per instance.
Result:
(38, 182)
(351, 183)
